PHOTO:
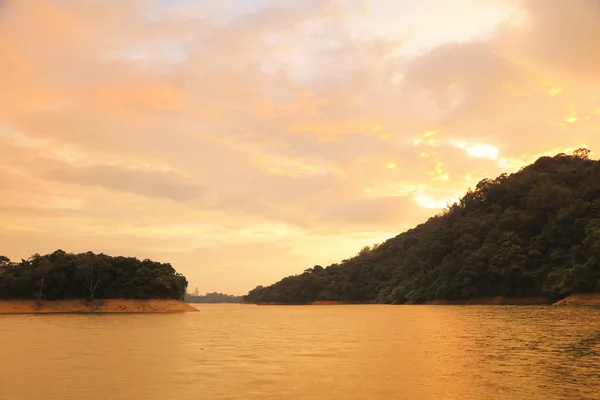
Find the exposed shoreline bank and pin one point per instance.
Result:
(580, 299)
(497, 300)
(577, 299)
(125, 306)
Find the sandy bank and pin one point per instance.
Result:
(580, 299)
(96, 306)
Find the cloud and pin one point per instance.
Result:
(259, 138)
(148, 183)
(559, 36)
(374, 213)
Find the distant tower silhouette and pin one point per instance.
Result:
(196, 293)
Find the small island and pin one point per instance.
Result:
(63, 282)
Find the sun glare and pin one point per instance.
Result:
(426, 201)
(480, 150)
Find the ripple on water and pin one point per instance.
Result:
(350, 352)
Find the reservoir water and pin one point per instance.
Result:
(316, 352)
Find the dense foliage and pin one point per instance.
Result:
(62, 275)
(213, 298)
(535, 232)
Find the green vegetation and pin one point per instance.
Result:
(535, 232)
(212, 298)
(62, 275)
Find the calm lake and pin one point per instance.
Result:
(319, 352)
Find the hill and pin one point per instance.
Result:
(90, 276)
(532, 233)
(213, 298)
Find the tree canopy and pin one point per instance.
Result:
(62, 275)
(534, 232)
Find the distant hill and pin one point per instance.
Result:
(532, 233)
(212, 298)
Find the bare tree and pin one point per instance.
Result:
(89, 271)
(43, 269)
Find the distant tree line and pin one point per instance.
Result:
(212, 298)
(535, 232)
(62, 275)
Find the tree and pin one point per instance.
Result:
(582, 153)
(43, 269)
(364, 251)
(90, 269)
(4, 264)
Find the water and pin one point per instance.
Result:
(320, 352)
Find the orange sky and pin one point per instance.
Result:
(245, 140)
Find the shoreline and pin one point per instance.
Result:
(496, 300)
(575, 299)
(580, 299)
(98, 306)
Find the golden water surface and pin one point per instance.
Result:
(321, 352)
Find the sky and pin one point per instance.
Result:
(243, 141)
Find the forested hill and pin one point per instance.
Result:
(535, 232)
(212, 298)
(62, 275)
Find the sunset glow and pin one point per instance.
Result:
(480, 150)
(236, 139)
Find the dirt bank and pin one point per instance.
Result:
(472, 301)
(96, 306)
(580, 299)
(326, 303)
(498, 300)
